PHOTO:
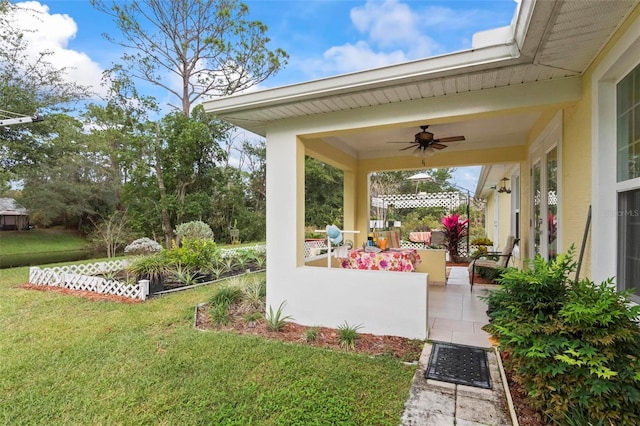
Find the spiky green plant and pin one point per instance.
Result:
(220, 314)
(226, 295)
(184, 276)
(275, 320)
(150, 267)
(253, 294)
(311, 335)
(348, 334)
(218, 269)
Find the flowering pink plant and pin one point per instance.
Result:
(454, 230)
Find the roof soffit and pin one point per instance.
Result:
(545, 36)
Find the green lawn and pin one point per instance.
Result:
(38, 241)
(67, 360)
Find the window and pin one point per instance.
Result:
(628, 169)
(628, 129)
(515, 202)
(545, 197)
(628, 237)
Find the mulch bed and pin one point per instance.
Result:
(399, 347)
(90, 295)
(526, 415)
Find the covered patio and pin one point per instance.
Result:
(517, 95)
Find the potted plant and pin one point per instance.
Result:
(454, 230)
(481, 244)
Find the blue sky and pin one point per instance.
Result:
(323, 37)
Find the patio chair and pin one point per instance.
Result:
(437, 238)
(501, 262)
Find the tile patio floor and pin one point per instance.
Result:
(456, 315)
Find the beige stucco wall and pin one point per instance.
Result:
(576, 175)
(504, 219)
(433, 262)
(576, 161)
(489, 217)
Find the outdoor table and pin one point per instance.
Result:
(420, 237)
(403, 260)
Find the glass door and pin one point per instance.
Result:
(545, 221)
(536, 214)
(552, 203)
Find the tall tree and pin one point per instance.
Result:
(209, 46)
(72, 181)
(176, 168)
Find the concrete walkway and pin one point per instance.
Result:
(456, 315)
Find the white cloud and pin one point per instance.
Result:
(53, 32)
(393, 33)
(352, 57)
(391, 24)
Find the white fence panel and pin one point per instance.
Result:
(81, 277)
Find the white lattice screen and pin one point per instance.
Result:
(447, 200)
(313, 247)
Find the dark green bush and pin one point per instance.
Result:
(573, 346)
(491, 274)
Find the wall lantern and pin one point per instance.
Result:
(503, 186)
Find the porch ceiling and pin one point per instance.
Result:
(548, 41)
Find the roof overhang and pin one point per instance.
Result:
(543, 53)
(526, 51)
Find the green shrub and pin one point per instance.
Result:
(481, 241)
(195, 255)
(226, 296)
(491, 274)
(573, 346)
(480, 251)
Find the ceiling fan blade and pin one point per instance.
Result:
(400, 142)
(437, 146)
(409, 147)
(450, 139)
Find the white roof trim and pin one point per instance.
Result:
(368, 79)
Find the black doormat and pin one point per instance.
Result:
(460, 364)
